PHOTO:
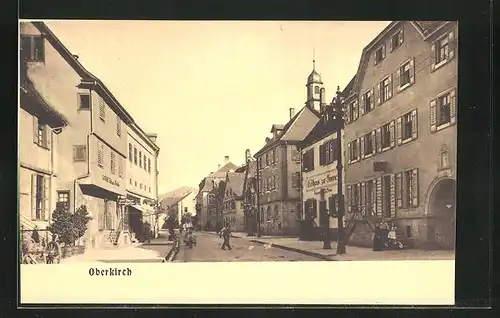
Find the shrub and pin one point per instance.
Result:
(35, 236)
(69, 227)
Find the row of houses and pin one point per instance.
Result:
(398, 149)
(79, 146)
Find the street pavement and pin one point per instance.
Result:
(208, 249)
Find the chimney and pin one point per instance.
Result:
(226, 159)
(152, 137)
(292, 112)
(248, 156)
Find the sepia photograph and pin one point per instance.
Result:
(202, 143)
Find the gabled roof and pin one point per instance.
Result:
(235, 182)
(250, 172)
(424, 28)
(321, 130)
(170, 201)
(286, 128)
(277, 127)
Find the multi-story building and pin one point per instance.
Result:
(278, 164)
(92, 150)
(142, 179)
(39, 127)
(319, 179)
(205, 198)
(232, 202)
(401, 134)
(250, 194)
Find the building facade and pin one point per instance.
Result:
(142, 180)
(90, 154)
(39, 127)
(232, 201)
(319, 179)
(401, 133)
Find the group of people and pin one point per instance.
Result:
(385, 237)
(50, 254)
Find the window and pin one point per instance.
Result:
(149, 165)
(333, 205)
(316, 89)
(369, 143)
(407, 127)
(118, 126)
(79, 153)
(353, 150)
(442, 49)
(41, 194)
(100, 154)
(130, 152)
(385, 89)
(444, 160)
(135, 156)
(130, 181)
(269, 184)
(113, 162)
(386, 136)
(397, 39)
(41, 134)
(407, 189)
(145, 167)
(84, 100)
(308, 160)
(355, 197)
(140, 159)
(233, 205)
(102, 109)
(32, 48)
(380, 54)
(63, 199)
(366, 102)
(328, 152)
(405, 74)
(442, 111)
(120, 166)
(274, 155)
(353, 111)
(386, 196)
(296, 180)
(275, 182)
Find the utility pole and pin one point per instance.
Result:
(339, 121)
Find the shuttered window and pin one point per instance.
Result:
(135, 156)
(407, 127)
(41, 133)
(149, 165)
(443, 111)
(379, 54)
(130, 152)
(407, 189)
(396, 40)
(120, 166)
(79, 153)
(32, 48)
(118, 126)
(333, 205)
(308, 160)
(100, 154)
(140, 159)
(366, 102)
(296, 180)
(443, 50)
(370, 198)
(40, 197)
(102, 109)
(385, 89)
(113, 162)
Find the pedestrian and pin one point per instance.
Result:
(54, 250)
(225, 233)
(377, 242)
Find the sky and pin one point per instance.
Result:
(211, 89)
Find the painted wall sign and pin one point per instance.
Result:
(111, 181)
(319, 181)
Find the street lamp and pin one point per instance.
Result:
(339, 115)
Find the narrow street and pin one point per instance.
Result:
(208, 249)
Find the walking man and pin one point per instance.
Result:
(54, 250)
(225, 233)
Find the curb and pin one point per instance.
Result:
(173, 251)
(296, 250)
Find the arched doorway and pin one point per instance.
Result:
(442, 205)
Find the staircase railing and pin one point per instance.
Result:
(27, 223)
(351, 223)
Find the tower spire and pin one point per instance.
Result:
(314, 59)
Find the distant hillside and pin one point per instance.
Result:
(174, 196)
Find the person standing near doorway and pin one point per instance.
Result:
(225, 233)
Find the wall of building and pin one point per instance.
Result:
(139, 180)
(187, 205)
(423, 152)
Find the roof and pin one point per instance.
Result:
(29, 92)
(277, 127)
(314, 77)
(235, 181)
(348, 90)
(424, 28)
(287, 126)
(321, 130)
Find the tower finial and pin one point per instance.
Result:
(314, 59)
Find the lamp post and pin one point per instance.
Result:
(339, 121)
